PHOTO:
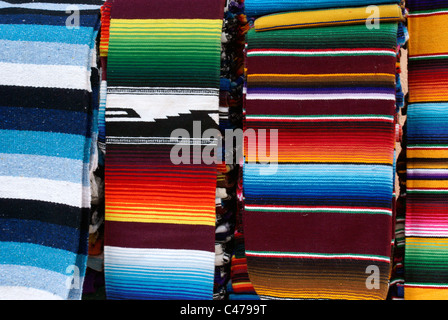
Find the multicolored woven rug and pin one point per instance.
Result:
(426, 253)
(163, 70)
(320, 225)
(48, 89)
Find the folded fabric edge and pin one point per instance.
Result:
(329, 17)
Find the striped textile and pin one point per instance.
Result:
(328, 17)
(49, 88)
(241, 286)
(103, 51)
(317, 225)
(426, 227)
(163, 69)
(256, 8)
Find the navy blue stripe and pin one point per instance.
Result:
(37, 119)
(41, 233)
(71, 217)
(423, 5)
(20, 16)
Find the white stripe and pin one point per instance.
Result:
(313, 255)
(185, 141)
(153, 107)
(26, 293)
(407, 284)
(320, 117)
(335, 96)
(428, 190)
(424, 171)
(319, 209)
(427, 13)
(411, 232)
(158, 258)
(47, 76)
(48, 6)
(163, 91)
(428, 56)
(311, 53)
(427, 147)
(61, 192)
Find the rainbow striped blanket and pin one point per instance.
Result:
(426, 226)
(163, 70)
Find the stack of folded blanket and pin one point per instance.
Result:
(426, 251)
(318, 184)
(49, 91)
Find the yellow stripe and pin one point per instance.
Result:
(411, 293)
(427, 184)
(427, 35)
(161, 208)
(438, 242)
(205, 222)
(321, 293)
(316, 18)
(422, 165)
(429, 154)
(162, 212)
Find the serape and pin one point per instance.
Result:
(49, 90)
(320, 223)
(426, 226)
(163, 70)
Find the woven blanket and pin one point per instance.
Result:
(326, 17)
(426, 226)
(163, 69)
(256, 8)
(49, 90)
(319, 226)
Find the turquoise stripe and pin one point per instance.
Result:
(35, 255)
(59, 34)
(45, 144)
(430, 119)
(167, 273)
(319, 181)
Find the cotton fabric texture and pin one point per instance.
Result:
(49, 90)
